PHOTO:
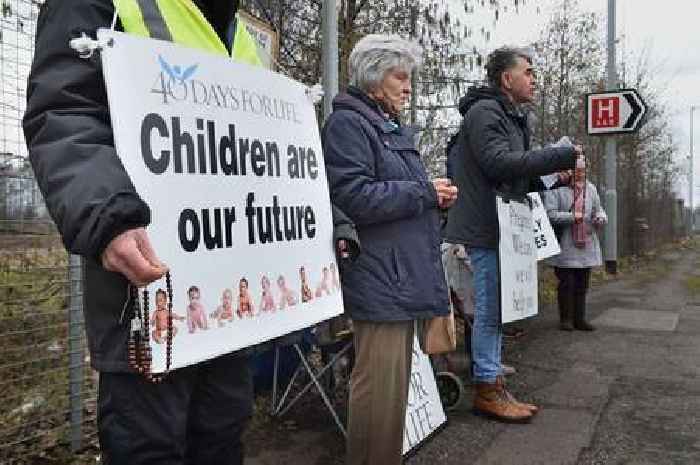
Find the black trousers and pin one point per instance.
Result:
(195, 416)
(571, 292)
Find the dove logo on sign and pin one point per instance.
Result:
(176, 72)
(174, 82)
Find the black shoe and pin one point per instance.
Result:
(566, 326)
(584, 326)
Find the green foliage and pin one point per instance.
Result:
(34, 368)
(693, 285)
(547, 285)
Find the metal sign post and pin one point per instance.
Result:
(330, 55)
(609, 113)
(610, 244)
(613, 112)
(691, 173)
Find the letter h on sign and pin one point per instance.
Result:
(606, 112)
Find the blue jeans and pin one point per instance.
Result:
(486, 332)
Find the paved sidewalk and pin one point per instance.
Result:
(628, 393)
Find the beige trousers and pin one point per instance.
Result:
(379, 392)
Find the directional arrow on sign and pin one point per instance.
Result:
(639, 109)
(616, 112)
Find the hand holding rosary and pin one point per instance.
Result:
(140, 356)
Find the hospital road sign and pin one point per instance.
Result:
(615, 112)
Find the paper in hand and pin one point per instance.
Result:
(550, 179)
(563, 142)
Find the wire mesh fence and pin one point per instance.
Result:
(47, 390)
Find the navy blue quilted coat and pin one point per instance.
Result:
(377, 178)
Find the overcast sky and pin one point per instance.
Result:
(670, 28)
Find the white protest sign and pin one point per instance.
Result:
(265, 37)
(228, 157)
(545, 239)
(518, 260)
(424, 413)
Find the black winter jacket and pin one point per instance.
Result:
(492, 155)
(87, 191)
(376, 176)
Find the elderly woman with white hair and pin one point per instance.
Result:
(377, 178)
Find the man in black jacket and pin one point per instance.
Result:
(198, 413)
(492, 155)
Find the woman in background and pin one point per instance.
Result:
(575, 212)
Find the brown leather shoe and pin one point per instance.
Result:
(491, 400)
(532, 408)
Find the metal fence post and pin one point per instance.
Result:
(329, 55)
(76, 352)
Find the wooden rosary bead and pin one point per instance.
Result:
(139, 351)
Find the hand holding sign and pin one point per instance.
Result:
(131, 254)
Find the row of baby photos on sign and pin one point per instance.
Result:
(271, 300)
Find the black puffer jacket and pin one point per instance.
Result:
(493, 156)
(71, 148)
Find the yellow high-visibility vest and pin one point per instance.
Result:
(180, 21)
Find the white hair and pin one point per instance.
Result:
(376, 54)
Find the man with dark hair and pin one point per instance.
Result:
(492, 156)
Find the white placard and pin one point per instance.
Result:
(265, 37)
(545, 239)
(518, 260)
(424, 414)
(228, 157)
